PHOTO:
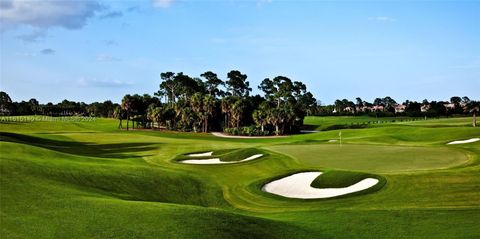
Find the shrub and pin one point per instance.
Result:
(247, 131)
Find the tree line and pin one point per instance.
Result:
(64, 108)
(207, 103)
(388, 107)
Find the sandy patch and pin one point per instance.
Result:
(298, 186)
(217, 160)
(200, 154)
(219, 134)
(332, 140)
(256, 156)
(465, 141)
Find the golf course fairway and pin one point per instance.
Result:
(91, 180)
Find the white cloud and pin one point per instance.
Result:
(46, 14)
(382, 19)
(162, 3)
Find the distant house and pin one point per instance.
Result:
(4, 110)
(349, 109)
(400, 108)
(425, 108)
(361, 108)
(449, 106)
(376, 108)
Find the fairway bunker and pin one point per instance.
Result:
(299, 186)
(218, 161)
(472, 140)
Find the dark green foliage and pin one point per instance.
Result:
(248, 131)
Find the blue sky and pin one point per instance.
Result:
(94, 51)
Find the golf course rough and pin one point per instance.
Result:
(298, 185)
(121, 184)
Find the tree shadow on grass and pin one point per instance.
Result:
(118, 150)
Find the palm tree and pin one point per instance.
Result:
(288, 117)
(237, 111)
(473, 107)
(126, 105)
(208, 109)
(259, 118)
(118, 113)
(227, 103)
(187, 118)
(196, 103)
(260, 115)
(154, 114)
(272, 118)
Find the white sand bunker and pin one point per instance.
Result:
(298, 186)
(217, 160)
(201, 154)
(465, 141)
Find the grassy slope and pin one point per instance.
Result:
(338, 179)
(97, 184)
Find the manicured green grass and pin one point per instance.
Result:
(339, 179)
(373, 158)
(339, 122)
(345, 122)
(90, 180)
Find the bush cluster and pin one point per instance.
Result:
(248, 131)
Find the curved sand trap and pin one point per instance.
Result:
(298, 186)
(201, 154)
(217, 160)
(465, 141)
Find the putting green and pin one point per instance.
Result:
(373, 158)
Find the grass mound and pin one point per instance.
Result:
(341, 179)
(61, 144)
(118, 178)
(239, 154)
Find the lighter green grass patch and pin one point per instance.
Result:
(373, 158)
